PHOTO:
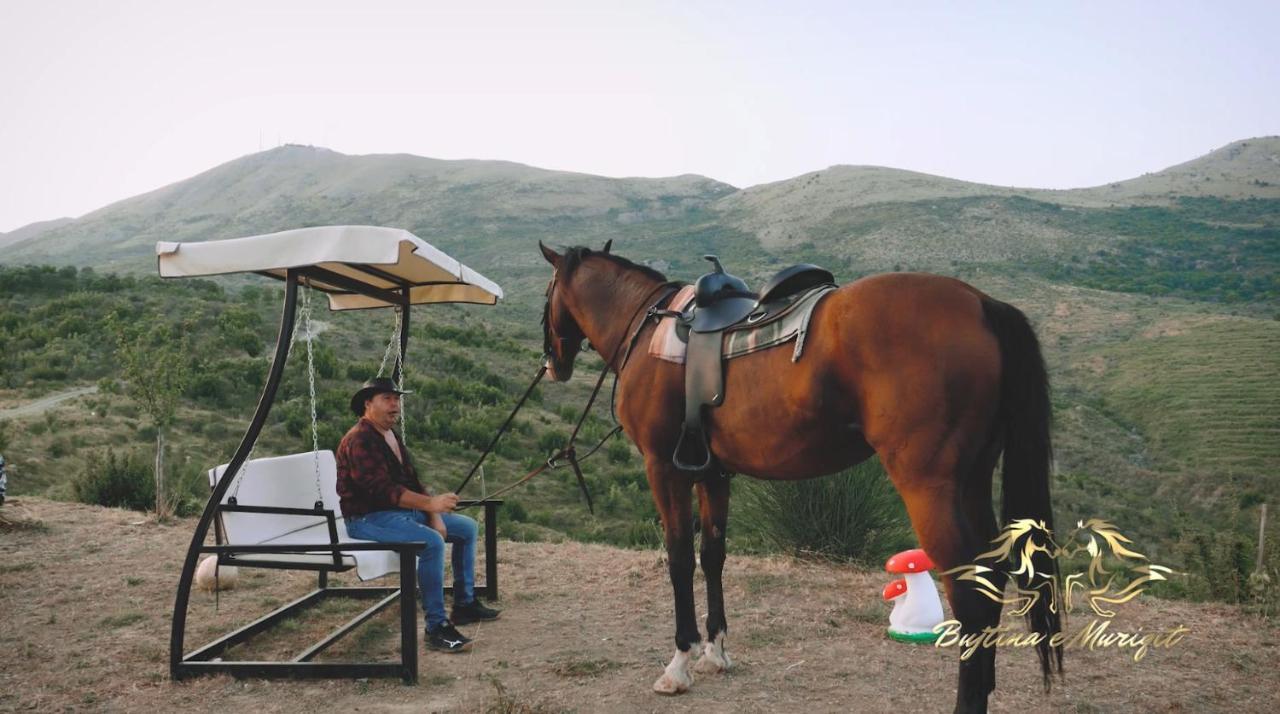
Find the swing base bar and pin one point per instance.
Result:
(219, 646)
(297, 670)
(201, 661)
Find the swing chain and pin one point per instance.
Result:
(311, 387)
(397, 365)
(244, 473)
(394, 342)
(305, 311)
(293, 340)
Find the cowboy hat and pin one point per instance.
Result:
(377, 385)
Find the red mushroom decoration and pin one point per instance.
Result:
(915, 615)
(895, 589)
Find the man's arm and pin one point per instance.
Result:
(443, 503)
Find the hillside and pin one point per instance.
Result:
(293, 186)
(585, 628)
(1163, 417)
(822, 205)
(788, 212)
(855, 219)
(1240, 170)
(32, 230)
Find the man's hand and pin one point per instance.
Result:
(444, 503)
(438, 524)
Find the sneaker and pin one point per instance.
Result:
(446, 638)
(474, 611)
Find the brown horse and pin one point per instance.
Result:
(936, 377)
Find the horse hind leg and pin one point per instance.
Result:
(979, 513)
(938, 514)
(713, 499)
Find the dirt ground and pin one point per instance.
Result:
(86, 595)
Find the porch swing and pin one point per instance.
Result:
(260, 515)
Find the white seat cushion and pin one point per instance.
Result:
(290, 482)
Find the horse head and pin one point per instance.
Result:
(561, 336)
(596, 296)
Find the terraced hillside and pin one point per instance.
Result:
(1205, 394)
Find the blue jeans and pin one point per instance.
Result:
(408, 526)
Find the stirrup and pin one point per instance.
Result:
(682, 453)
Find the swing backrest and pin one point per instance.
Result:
(283, 482)
(290, 482)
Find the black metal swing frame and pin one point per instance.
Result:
(207, 658)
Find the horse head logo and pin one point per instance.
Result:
(1025, 549)
(1110, 560)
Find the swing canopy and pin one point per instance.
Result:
(358, 267)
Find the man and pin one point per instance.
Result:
(383, 500)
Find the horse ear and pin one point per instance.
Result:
(551, 256)
(607, 245)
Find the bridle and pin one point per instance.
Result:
(648, 305)
(547, 329)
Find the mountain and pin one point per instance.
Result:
(1216, 216)
(904, 216)
(31, 230)
(294, 186)
(1240, 170)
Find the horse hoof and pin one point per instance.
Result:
(708, 665)
(676, 679)
(670, 686)
(714, 659)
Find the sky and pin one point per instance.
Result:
(100, 101)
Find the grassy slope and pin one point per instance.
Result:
(464, 365)
(1205, 393)
(1112, 357)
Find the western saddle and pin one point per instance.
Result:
(722, 303)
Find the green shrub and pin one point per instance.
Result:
(645, 534)
(855, 515)
(551, 441)
(619, 452)
(514, 511)
(188, 488)
(117, 481)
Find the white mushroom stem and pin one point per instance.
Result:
(920, 609)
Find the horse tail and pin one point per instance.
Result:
(1024, 417)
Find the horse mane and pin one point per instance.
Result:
(574, 256)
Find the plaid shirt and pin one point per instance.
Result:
(370, 477)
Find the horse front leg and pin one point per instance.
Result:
(671, 494)
(713, 510)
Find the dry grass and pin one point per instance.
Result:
(585, 628)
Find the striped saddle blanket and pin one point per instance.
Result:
(670, 343)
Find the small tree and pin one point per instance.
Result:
(156, 367)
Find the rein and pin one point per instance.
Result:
(569, 451)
